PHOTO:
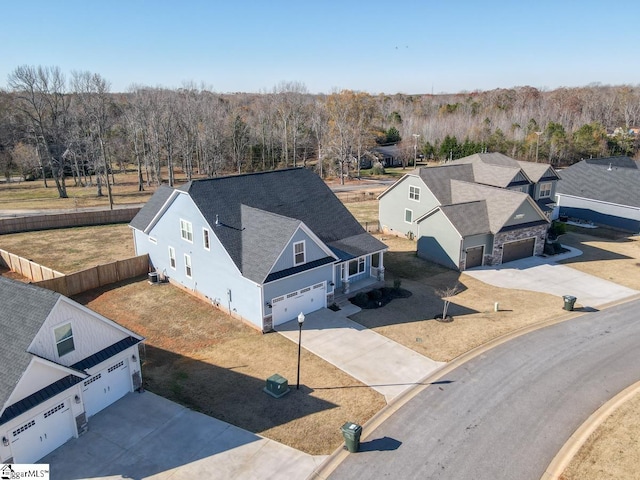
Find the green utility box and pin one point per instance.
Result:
(277, 386)
(351, 433)
(569, 302)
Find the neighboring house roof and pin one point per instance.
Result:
(501, 203)
(253, 215)
(388, 150)
(438, 179)
(470, 218)
(612, 180)
(24, 308)
(534, 171)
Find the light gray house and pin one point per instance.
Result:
(464, 216)
(603, 191)
(263, 246)
(61, 364)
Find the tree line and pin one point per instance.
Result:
(75, 129)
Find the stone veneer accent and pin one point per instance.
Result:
(539, 231)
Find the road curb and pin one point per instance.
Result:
(561, 461)
(327, 467)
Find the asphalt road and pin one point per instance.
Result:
(506, 413)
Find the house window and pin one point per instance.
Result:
(186, 231)
(172, 257)
(408, 215)
(64, 339)
(545, 190)
(356, 266)
(205, 239)
(414, 193)
(187, 265)
(298, 253)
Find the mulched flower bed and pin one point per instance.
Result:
(379, 297)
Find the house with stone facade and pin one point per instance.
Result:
(462, 215)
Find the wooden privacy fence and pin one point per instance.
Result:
(98, 276)
(77, 282)
(31, 270)
(66, 220)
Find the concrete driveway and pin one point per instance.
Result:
(375, 360)
(147, 436)
(543, 274)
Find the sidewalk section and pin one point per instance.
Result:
(380, 363)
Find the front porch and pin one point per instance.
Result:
(365, 285)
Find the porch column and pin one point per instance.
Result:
(381, 268)
(345, 277)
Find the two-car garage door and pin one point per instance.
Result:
(519, 249)
(309, 299)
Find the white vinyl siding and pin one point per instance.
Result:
(186, 231)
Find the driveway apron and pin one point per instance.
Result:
(147, 436)
(542, 274)
(382, 364)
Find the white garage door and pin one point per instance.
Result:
(309, 299)
(105, 387)
(42, 434)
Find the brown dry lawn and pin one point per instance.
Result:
(411, 321)
(214, 364)
(71, 249)
(202, 358)
(612, 452)
(33, 195)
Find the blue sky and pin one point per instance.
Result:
(374, 46)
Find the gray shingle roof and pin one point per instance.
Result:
(469, 218)
(501, 203)
(294, 194)
(534, 171)
(23, 310)
(593, 179)
(146, 214)
(264, 235)
(438, 179)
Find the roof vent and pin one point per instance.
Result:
(217, 220)
(609, 169)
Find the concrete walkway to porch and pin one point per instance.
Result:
(382, 364)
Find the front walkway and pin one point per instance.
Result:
(382, 364)
(543, 274)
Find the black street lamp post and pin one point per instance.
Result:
(300, 322)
